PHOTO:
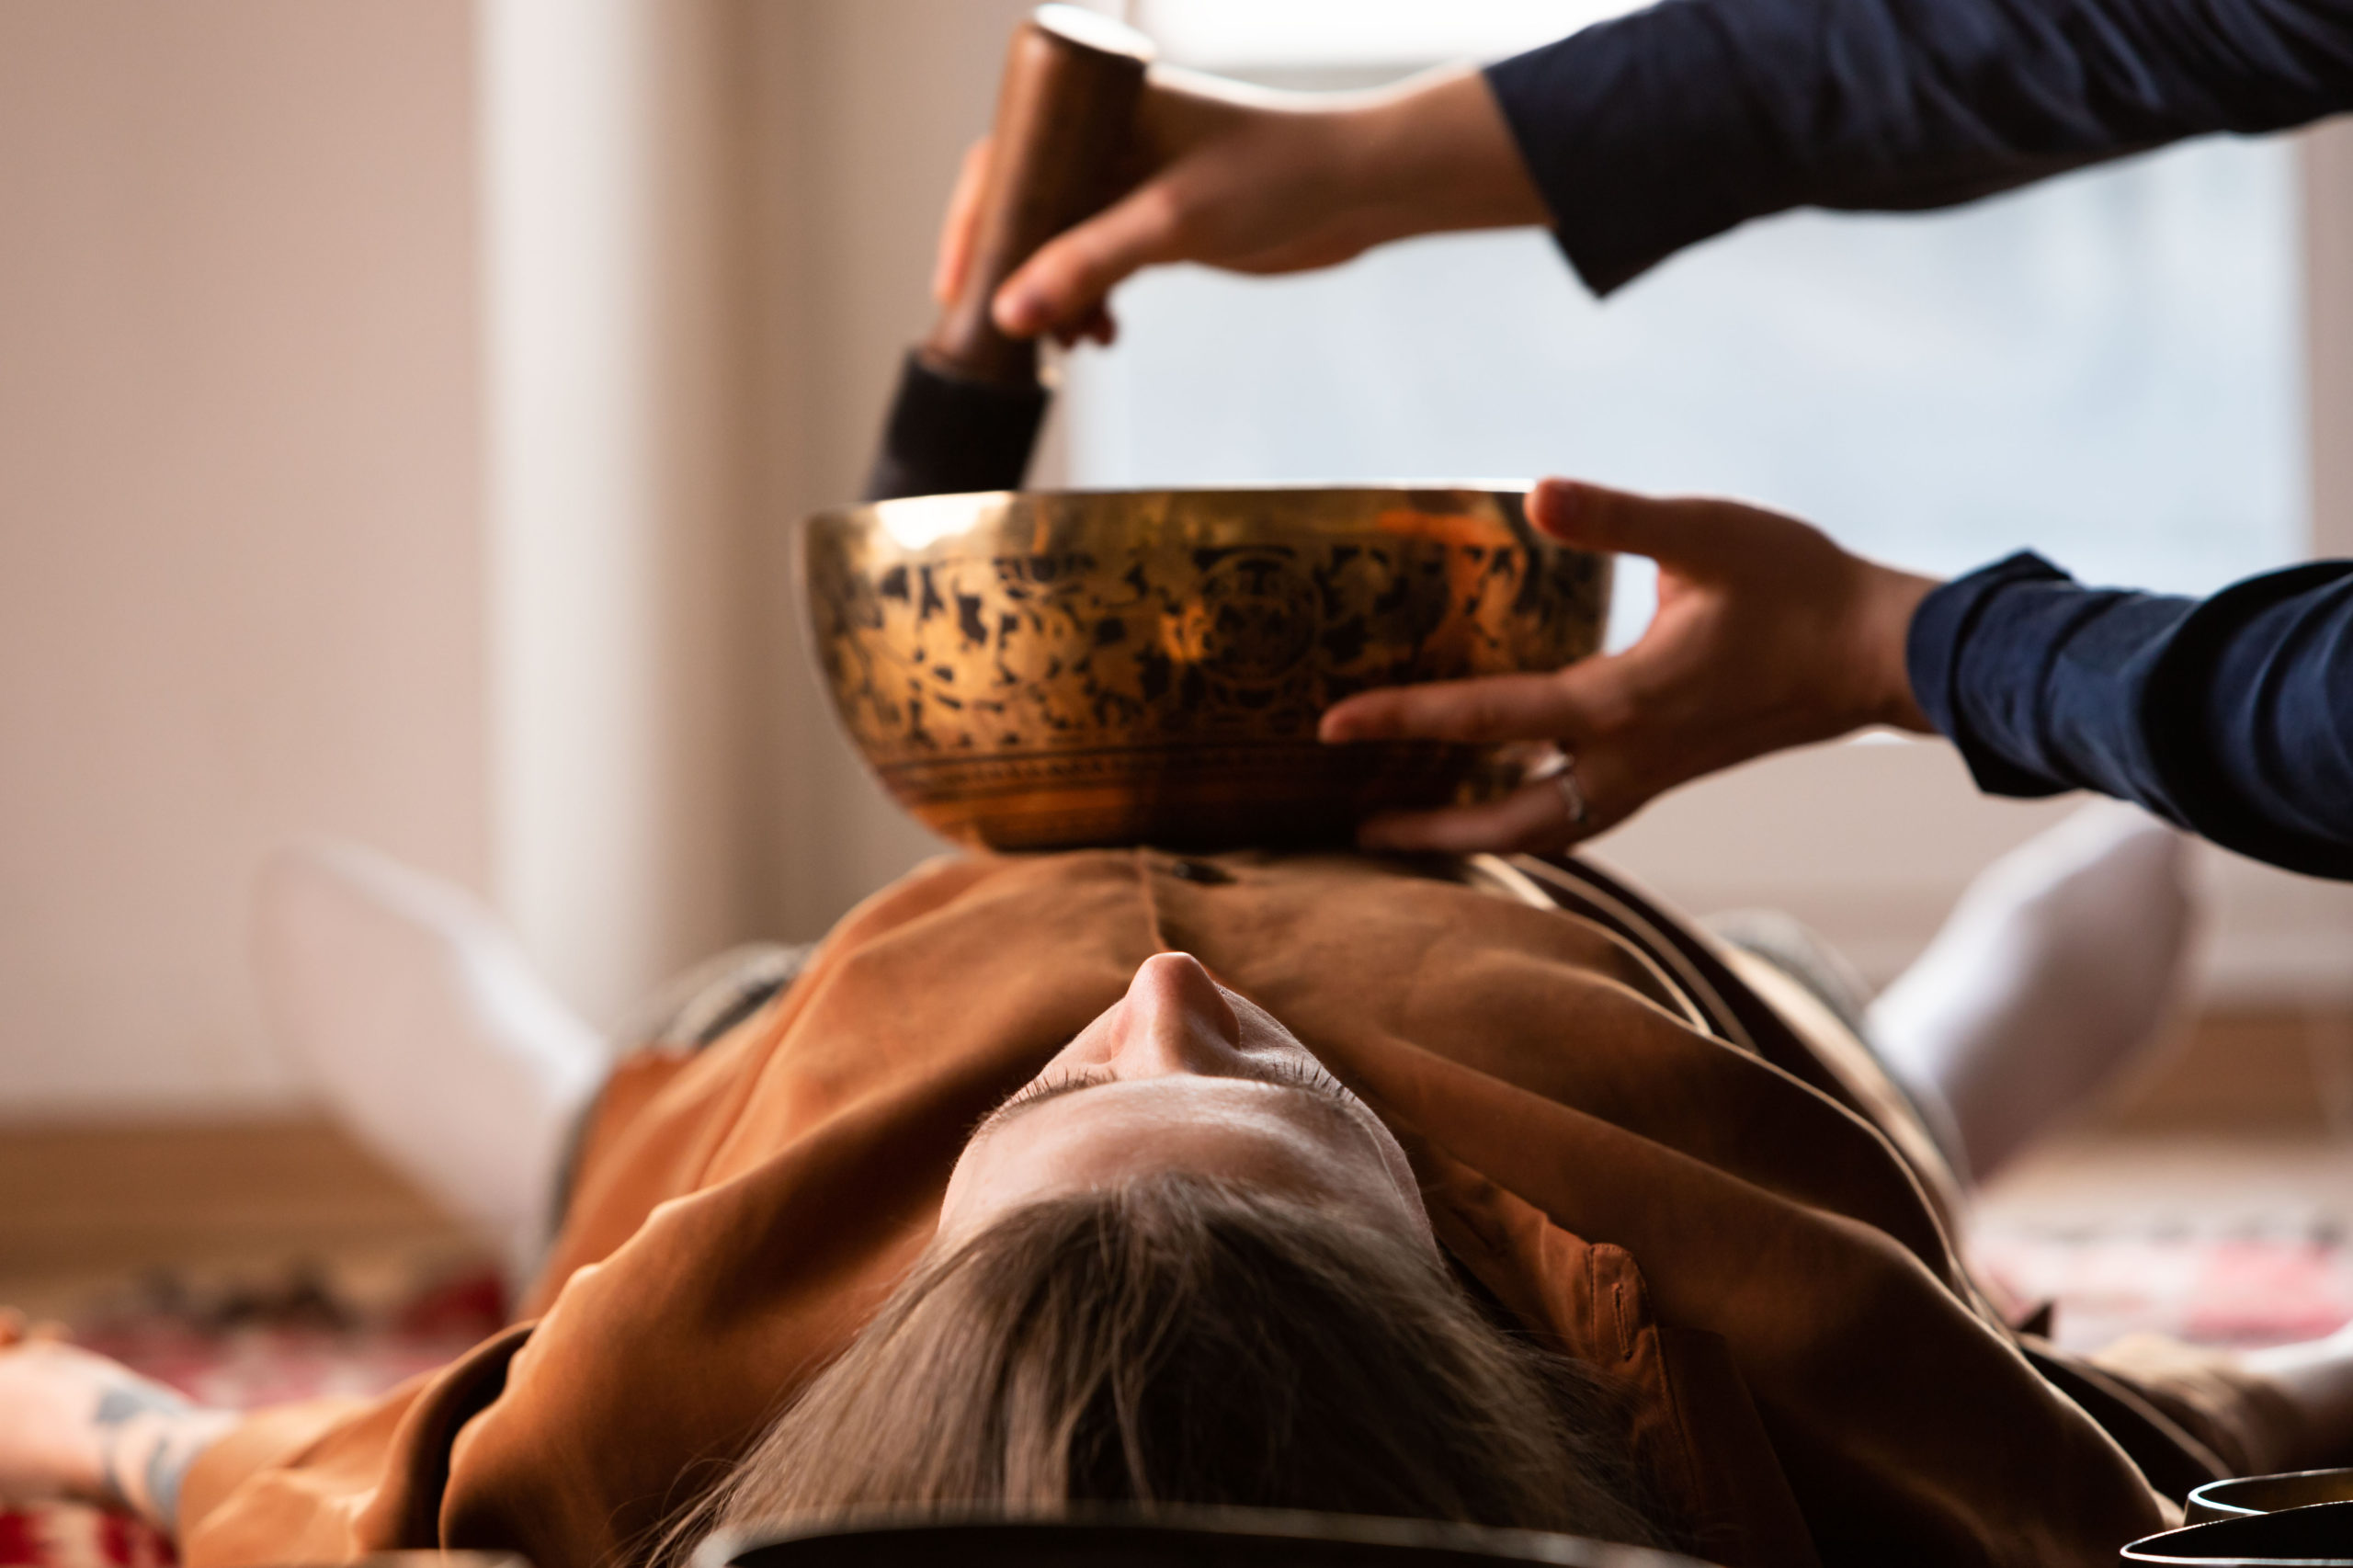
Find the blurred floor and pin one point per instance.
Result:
(88, 1212)
(2228, 1238)
(2245, 1121)
(2184, 1181)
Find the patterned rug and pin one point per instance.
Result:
(304, 1334)
(307, 1334)
(2245, 1289)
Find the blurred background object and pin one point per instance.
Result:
(404, 403)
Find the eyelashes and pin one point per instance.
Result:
(1307, 1074)
(1047, 1088)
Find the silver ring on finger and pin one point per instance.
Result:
(1564, 779)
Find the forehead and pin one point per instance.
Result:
(1274, 1133)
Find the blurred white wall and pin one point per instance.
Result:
(241, 568)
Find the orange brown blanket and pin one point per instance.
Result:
(1637, 1154)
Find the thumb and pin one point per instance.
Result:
(1672, 532)
(1066, 280)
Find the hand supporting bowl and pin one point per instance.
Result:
(1049, 670)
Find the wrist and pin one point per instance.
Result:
(144, 1460)
(1889, 599)
(1433, 154)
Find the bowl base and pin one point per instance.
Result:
(1201, 796)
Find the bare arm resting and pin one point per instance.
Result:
(77, 1426)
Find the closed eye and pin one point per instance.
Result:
(1289, 1072)
(1035, 1092)
(1310, 1074)
(1047, 1088)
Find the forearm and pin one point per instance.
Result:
(2230, 716)
(147, 1438)
(1435, 156)
(1658, 129)
(77, 1424)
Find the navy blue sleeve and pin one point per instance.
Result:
(1654, 131)
(2232, 716)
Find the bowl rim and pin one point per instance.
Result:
(1492, 487)
(2221, 1498)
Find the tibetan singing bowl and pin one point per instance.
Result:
(1048, 670)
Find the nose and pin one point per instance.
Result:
(1175, 1019)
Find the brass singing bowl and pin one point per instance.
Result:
(1055, 669)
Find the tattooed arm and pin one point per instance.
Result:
(74, 1425)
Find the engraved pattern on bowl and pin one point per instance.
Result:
(1043, 670)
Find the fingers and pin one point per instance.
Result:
(964, 216)
(1693, 539)
(1532, 818)
(1497, 708)
(1592, 517)
(1595, 697)
(1537, 816)
(1068, 278)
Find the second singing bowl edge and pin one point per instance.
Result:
(1039, 670)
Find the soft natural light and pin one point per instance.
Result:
(2104, 367)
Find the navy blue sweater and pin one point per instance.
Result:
(2232, 716)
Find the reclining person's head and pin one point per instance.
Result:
(1207, 1278)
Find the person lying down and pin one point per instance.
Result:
(1485, 1190)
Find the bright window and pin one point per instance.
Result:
(2104, 367)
